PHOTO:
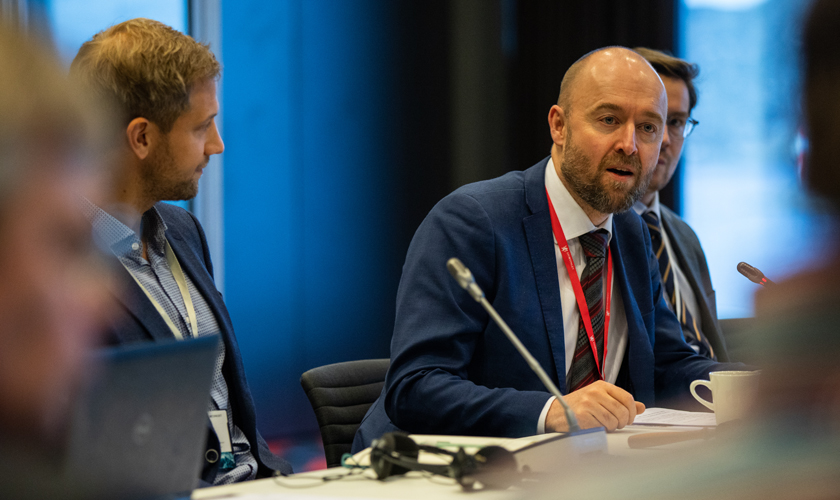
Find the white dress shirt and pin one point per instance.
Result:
(575, 223)
(683, 291)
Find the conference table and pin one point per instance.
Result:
(339, 482)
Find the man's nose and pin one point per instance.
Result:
(626, 143)
(214, 145)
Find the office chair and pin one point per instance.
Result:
(341, 394)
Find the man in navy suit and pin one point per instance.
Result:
(162, 86)
(682, 260)
(453, 371)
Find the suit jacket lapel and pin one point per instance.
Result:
(129, 293)
(639, 339)
(620, 278)
(687, 266)
(708, 317)
(197, 272)
(541, 248)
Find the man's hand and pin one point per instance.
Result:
(597, 404)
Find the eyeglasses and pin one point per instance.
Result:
(681, 128)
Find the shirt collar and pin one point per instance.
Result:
(155, 229)
(111, 234)
(640, 208)
(572, 218)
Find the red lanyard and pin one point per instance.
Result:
(581, 299)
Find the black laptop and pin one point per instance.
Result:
(139, 429)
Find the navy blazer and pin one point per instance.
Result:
(141, 323)
(454, 372)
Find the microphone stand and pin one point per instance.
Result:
(583, 441)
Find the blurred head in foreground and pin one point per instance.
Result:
(821, 59)
(801, 350)
(52, 298)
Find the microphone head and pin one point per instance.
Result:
(751, 273)
(464, 278)
(460, 272)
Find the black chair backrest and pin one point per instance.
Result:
(341, 394)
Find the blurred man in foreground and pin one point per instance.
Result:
(53, 303)
(162, 87)
(564, 261)
(800, 317)
(686, 281)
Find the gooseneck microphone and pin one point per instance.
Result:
(753, 274)
(465, 278)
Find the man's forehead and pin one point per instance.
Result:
(617, 78)
(645, 107)
(617, 59)
(626, 68)
(677, 92)
(203, 101)
(619, 96)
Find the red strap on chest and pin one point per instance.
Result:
(578, 289)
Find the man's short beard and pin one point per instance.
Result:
(160, 176)
(605, 197)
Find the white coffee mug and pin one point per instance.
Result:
(733, 393)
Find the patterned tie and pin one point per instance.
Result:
(583, 370)
(691, 332)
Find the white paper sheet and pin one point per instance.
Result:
(665, 416)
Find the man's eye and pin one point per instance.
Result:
(610, 120)
(676, 122)
(649, 128)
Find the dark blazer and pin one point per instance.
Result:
(454, 372)
(692, 262)
(142, 323)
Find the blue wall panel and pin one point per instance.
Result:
(308, 192)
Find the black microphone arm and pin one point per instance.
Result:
(753, 274)
(465, 278)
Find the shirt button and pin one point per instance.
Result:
(135, 246)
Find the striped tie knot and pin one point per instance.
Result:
(594, 244)
(652, 221)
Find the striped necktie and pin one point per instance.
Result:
(691, 332)
(584, 371)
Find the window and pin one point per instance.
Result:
(74, 21)
(741, 188)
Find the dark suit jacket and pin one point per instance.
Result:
(454, 372)
(142, 323)
(692, 262)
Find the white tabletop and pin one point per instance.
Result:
(346, 483)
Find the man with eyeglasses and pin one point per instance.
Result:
(682, 263)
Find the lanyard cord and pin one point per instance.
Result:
(578, 289)
(178, 274)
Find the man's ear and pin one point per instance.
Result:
(557, 124)
(140, 134)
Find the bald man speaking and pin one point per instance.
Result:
(454, 372)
